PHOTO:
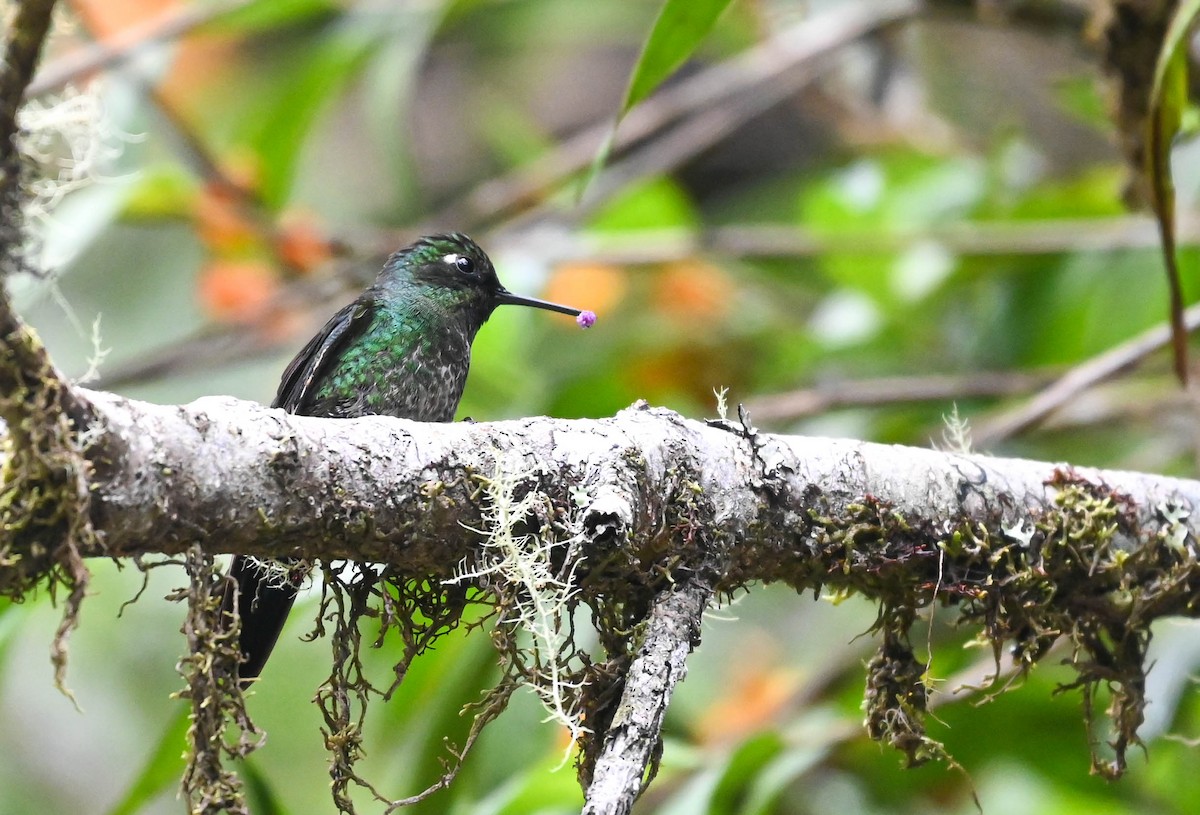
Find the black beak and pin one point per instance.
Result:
(507, 298)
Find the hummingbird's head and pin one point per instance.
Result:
(460, 276)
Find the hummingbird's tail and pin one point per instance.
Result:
(263, 601)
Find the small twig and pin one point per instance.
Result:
(127, 44)
(1083, 376)
(628, 760)
(891, 390)
(706, 89)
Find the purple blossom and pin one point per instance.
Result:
(586, 319)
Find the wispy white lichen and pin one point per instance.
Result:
(956, 435)
(722, 402)
(72, 139)
(538, 597)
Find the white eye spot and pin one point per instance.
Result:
(463, 263)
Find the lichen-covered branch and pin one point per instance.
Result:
(1027, 551)
(628, 758)
(22, 47)
(235, 476)
(628, 512)
(43, 483)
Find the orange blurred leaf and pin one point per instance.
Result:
(237, 291)
(692, 290)
(221, 224)
(755, 700)
(301, 243)
(593, 286)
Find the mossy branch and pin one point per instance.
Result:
(44, 517)
(1028, 552)
(22, 48)
(634, 509)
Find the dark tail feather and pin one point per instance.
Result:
(263, 607)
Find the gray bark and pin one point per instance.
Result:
(237, 477)
(629, 756)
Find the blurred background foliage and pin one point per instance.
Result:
(922, 210)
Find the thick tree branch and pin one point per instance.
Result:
(234, 476)
(647, 514)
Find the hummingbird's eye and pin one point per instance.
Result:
(465, 264)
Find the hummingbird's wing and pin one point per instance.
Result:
(304, 374)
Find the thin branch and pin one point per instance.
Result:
(1103, 366)
(670, 149)
(128, 45)
(974, 239)
(23, 47)
(633, 742)
(703, 91)
(890, 390)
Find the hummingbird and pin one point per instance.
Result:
(402, 348)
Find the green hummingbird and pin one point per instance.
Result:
(402, 348)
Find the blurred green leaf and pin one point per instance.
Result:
(1081, 96)
(543, 787)
(678, 31)
(332, 61)
(163, 191)
(777, 775)
(744, 767)
(263, 15)
(260, 793)
(1095, 193)
(162, 770)
(680, 28)
(658, 203)
(897, 193)
(1168, 101)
